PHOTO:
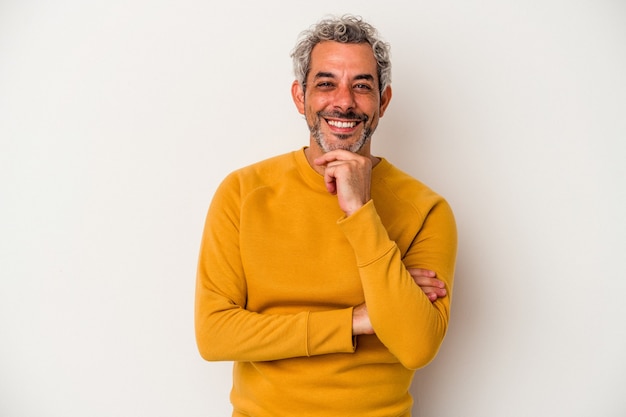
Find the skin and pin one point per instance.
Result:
(342, 105)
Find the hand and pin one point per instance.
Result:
(361, 321)
(347, 175)
(427, 280)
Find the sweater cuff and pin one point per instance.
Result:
(367, 234)
(330, 332)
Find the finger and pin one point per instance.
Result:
(336, 171)
(434, 297)
(439, 292)
(330, 180)
(429, 282)
(422, 272)
(336, 155)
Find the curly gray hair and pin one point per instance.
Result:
(344, 29)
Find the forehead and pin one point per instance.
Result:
(336, 57)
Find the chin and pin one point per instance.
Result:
(342, 143)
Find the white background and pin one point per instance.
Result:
(119, 118)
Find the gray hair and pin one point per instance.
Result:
(344, 29)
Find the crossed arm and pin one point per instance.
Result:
(427, 280)
(409, 323)
(348, 176)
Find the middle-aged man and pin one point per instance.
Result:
(323, 272)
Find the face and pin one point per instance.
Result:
(342, 101)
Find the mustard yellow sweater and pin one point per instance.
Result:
(281, 268)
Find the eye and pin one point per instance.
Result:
(324, 84)
(363, 87)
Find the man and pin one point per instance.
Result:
(325, 273)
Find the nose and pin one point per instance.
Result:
(344, 98)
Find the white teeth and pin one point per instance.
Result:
(343, 125)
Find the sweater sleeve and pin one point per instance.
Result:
(225, 329)
(402, 316)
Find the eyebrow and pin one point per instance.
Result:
(323, 74)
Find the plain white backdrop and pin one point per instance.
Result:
(118, 119)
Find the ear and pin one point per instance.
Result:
(385, 98)
(297, 93)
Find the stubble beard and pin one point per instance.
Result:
(326, 146)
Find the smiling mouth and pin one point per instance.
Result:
(341, 124)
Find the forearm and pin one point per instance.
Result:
(225, 331)
(227, 326)
(404, 319)
(402, 316)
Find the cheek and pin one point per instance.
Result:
(373, 115)
(316, 102)
(369, 106)
(308, 112)
(312, 108)
(310, 115)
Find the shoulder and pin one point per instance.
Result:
(260, 174)
(243, 182)
(394, 186)
(390, 179)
